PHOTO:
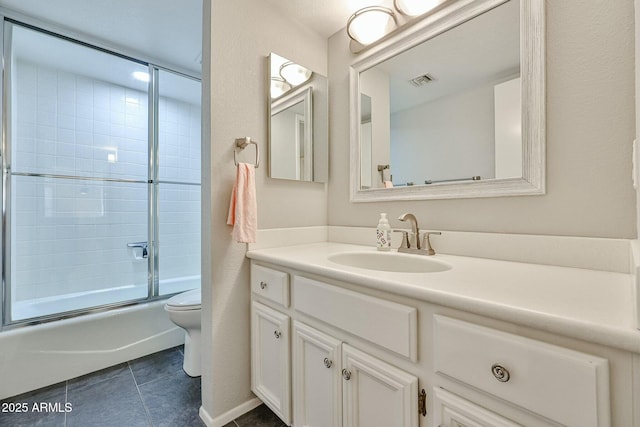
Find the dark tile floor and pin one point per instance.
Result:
(259, 417)
(149, 391)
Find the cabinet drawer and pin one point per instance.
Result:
(549, 380)
(271, 284)
(452, 410)
(387, 324)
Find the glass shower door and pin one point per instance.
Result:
(178, 190)
(77, 170)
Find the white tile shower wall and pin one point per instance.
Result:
(179, 231)
(74, 125)
(69, 235)
(179, 140)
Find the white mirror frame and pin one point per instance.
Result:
(532, 71)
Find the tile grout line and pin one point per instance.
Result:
(144, 405)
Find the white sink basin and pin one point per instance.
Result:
(390, 261)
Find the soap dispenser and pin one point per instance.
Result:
(383, 234)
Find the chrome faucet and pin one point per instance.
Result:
(411, 243)
(414, 240)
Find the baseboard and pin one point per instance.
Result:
(229, 416)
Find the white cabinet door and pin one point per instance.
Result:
(270, 359)
(376, 394)
(317, 383)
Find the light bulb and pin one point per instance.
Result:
(278, 87)
(294, 74)
(370, 24)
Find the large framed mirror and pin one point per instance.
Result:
(298, 122)
(452, 106)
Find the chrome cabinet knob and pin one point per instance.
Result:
(346, 374)
(263, 285)
(328, 363)
(277, 334)
(500, 373)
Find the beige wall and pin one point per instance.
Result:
(590, 127)
(238, 36)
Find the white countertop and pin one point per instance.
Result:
(595, 306)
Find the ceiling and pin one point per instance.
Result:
(482, 51)
(34, 47)
(168, 32)
(324, 17)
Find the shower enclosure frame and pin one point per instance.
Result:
(7, 20)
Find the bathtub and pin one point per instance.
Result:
(77, 301)
(36, 356)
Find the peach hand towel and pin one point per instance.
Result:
(243, 209)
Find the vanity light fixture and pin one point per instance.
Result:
(415, 7)
(370, 24)
(279, 87)
(294, 74)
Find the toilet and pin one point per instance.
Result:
(184, 310)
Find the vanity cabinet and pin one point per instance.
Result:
(270, 359)
(317, 379)
(545, 379)
(377, 393)
(270, 284)
(270, 341)
(336, 384)
(327, 353)
(453, 411)
(332, 382)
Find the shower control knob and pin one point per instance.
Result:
(263, 285)
(277, 334)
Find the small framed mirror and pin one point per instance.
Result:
(453, 106)
(298, 130)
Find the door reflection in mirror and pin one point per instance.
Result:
(298, 131)
(292, 136)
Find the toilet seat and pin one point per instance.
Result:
(190, 300)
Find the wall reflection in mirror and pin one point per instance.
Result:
(447, 110)
(298, 131)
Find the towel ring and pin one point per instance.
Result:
(242, 143)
